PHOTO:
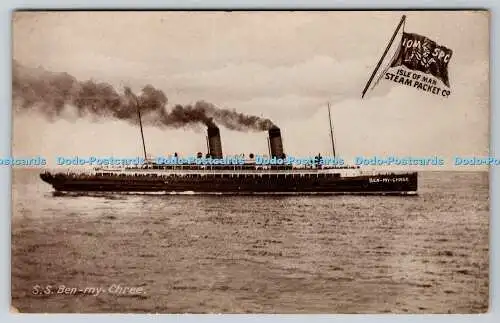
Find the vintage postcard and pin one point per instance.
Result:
(250, 162)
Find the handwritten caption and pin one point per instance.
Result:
(114, 289)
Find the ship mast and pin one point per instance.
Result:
(142, 133)
(140, 123)
(331, 130)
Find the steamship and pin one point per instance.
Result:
(245, 178)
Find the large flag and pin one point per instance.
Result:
(422, 54)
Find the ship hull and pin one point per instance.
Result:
(391, 184)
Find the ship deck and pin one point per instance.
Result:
(232, 171)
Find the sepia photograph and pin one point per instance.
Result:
(277, 162)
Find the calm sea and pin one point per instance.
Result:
(220, 254)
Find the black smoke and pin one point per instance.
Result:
(49, 93)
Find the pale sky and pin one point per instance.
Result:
(284, 66)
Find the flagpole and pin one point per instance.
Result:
(383, 55)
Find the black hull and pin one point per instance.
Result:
(391, 184)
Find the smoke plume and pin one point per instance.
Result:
(49, 93)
